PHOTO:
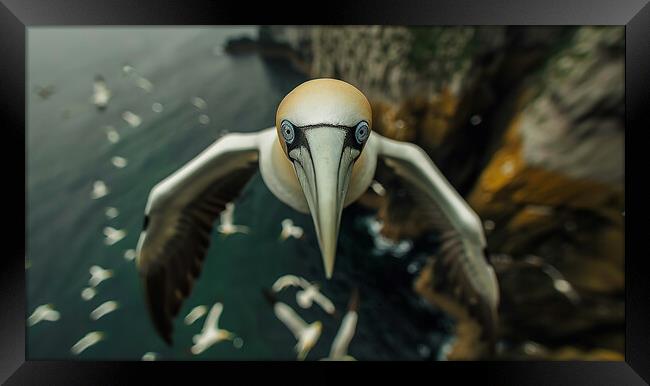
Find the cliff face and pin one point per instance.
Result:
(527, 124)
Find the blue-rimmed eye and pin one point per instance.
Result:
(287, 131)
(362, 132)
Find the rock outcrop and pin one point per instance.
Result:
(527, 124)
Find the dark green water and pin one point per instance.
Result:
(68, 150)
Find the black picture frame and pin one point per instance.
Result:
(16, 16)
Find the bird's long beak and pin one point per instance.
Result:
(323, 165)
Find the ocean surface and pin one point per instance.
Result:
(68, 150)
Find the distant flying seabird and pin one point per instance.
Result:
(101, 93)
(307, 295)
(306, 334)
(339, 350)
(211, 334)
(320, 156)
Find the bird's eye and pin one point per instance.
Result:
(287, 131)
(362, 132)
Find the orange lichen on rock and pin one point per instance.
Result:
(427, 120)
(468, 344)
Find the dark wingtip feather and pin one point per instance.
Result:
(156, 300)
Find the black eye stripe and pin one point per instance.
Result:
(349, 141)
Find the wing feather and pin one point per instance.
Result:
(461, 271)
(180, 215)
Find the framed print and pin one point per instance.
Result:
(436, 187)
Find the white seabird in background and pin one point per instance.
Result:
(339, 350)
(144, 83)
(308, 294)
(131, 118)
(129, 254)
(111, 212)
(101, 93)
(88, 293)
(195, 314)
(113, 235)
(149, 356)
(98, 275)
(211, 334)
(119, 162)
(88, 340)
(306, 334)
(199, 103)
(104, 309)
(290, 230)
(43, 312)
(99, 190)
(227, 226)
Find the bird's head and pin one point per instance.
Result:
(323, 126)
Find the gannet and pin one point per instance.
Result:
(101, 93)
(98, 275)
(43, 312)
(119, 162)
(204, 119)
(99, 190)
(309, 293)
(129, 254)
(227, 226)
(195, 314)
(90, 339)
(149, 356)
(143, 83)
(199, 103)
(320, 156)
(306, 334)
(113, 235)
(103, 309)
(88, 293)
(290, 230)
(211, 333)
(111, 212)
(131, 118)
(339, 350)
(112, 135)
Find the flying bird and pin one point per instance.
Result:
(101, 93)
(290, 230)
(227, 226)
(307, 295)
(320, 156)
(195, 314)
(103, 309)
(211, 334)
(98, 275)
(90, 339)
(306, 334)
(339, 350)
(43, 312)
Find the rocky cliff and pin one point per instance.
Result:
(527, 124)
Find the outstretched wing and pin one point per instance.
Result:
(290, 318)
(348, 327)
(461, 270)
(287, 281)
(178, 222)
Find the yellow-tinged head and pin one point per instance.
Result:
(323, 125)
